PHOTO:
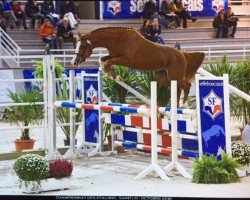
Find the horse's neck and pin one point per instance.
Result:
(102, 39)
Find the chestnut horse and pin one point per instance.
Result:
(128, 48)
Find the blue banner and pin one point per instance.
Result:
(212, 115)
(205, 8)
(125, 9)
(91, 118)
(28, 74)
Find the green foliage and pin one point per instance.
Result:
(31, 167)
(25, 115)
(114, 91)
(63, 114)
(38, 73)
(163, 92)
(239, 76)
(211, 170)
(241, 151)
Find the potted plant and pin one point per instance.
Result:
(241, 151)
(25, 115)
(36, 174)
(210, 170)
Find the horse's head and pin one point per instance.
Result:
(83, 50)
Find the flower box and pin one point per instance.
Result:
(46, 185)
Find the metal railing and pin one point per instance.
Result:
(10, 48)
(212, 53)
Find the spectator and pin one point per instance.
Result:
(150, 11)
(48, 10)
(32, 10)
(8, 14)
(65, 34)
(246, 133)
(155, 31)
(231, 20)
(145, 29)
(19, 13)
(181, 11)
(68, 10)
(168, 13)
(2, 24)
(220, 23)
(47, 33)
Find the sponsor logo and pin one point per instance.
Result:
(212, 105)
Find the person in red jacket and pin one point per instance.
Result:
(47, 33)
(19, 13)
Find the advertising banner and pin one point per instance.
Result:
(213, 120)
(91, 116)
(132, 9)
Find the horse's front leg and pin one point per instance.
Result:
(103, 60)
(123, 61)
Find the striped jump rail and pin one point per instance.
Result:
(65, 104)
(163, 124)
(119, 107)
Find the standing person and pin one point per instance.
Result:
(168, 13)
(246, 133)
(145, 29)
(19, 13)
(47, 34)
(9, 14)
(220, 23)
(181, 11)
(155, 32)
(68, 10)
(65, 33)
(150, 11)
(231, 20)
(32, 10)
(48, 10)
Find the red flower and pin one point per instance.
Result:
(60, 168)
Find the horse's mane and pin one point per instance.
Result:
(115, 28)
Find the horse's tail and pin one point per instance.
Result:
(194, 61)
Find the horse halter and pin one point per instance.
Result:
(87, 45)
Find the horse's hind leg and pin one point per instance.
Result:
(185, 85)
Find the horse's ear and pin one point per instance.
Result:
(79, 34)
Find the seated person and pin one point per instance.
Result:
(16, 7)
(2, 24)
(48, 10)
(231, 20)
(155, 31)
(145, 29)
(220, 23)
(246, 133)
(181, 11)
(32, 11)
(68, 10)
(65, 34)
(168, 13)
(47, 33)
(150, 11)
(7, 13)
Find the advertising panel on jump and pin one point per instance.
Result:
(213, 115)
(124, 9)
(91, 117)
